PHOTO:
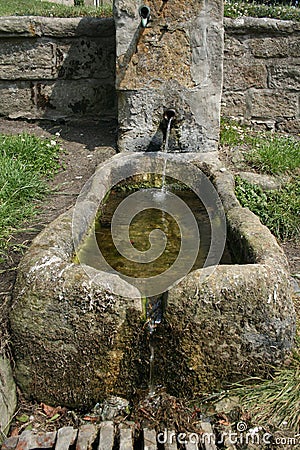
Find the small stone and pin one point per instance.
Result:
(10, 443)
(266, 182)
(126, 441)
(113, 407)
(66, 437)
(106, 440)
(86, 437)
(227, 404)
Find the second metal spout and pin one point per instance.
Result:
(144, 13)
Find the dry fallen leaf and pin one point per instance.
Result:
(14, 432)
(50, 411)
(91, 419)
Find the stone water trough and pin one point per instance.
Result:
(76, 342)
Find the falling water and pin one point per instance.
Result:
(154, 314)
(151, 368)
(166, 148)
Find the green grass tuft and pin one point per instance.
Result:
(273, 402)
(49, 9)
(277, 209)
(26, 162)
(274, 154)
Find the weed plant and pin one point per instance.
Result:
(273, 402)
(26, 162)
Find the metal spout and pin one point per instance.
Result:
(144, 13)
(169, 114)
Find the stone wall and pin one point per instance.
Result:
(262, 71)
(57, 68)
(65, 68)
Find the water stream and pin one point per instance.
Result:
(165, 150)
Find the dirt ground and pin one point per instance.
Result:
(86, 145)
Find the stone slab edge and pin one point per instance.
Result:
(261, 25)
(37, 26)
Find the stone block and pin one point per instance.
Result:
(126, 438)
(85, 58)
(66, 437)
(10, 443)
(86, 437)
(270, 103)
(245, 74)
(149, 439)
(106, 440)
(285, 76)
(294, 47)
(233, 104)
(233, 47)
(8, 398)
(269, 47)
(33, 59)
(34, 27)
(57, 99)
(69, 59)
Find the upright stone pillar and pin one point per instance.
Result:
(175, 62)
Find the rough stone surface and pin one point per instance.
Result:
(266, 182)
(57, 99)
(106, 435)
(65, 68)
(261, 71)
(75, 343)
(8, 397)
(85, 328)
(66, 437)
(175, 62)
(269, 104)
(86, 437)
(243, 315)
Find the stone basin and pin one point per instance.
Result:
(79, 334)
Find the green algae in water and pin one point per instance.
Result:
(140, 227)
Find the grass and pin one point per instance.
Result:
(49, 9)
(275, 154)
(273, 402)
(26, 163)
(235, 9)
(277, 209)
(232, 9)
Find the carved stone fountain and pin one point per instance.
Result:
(75, 339)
